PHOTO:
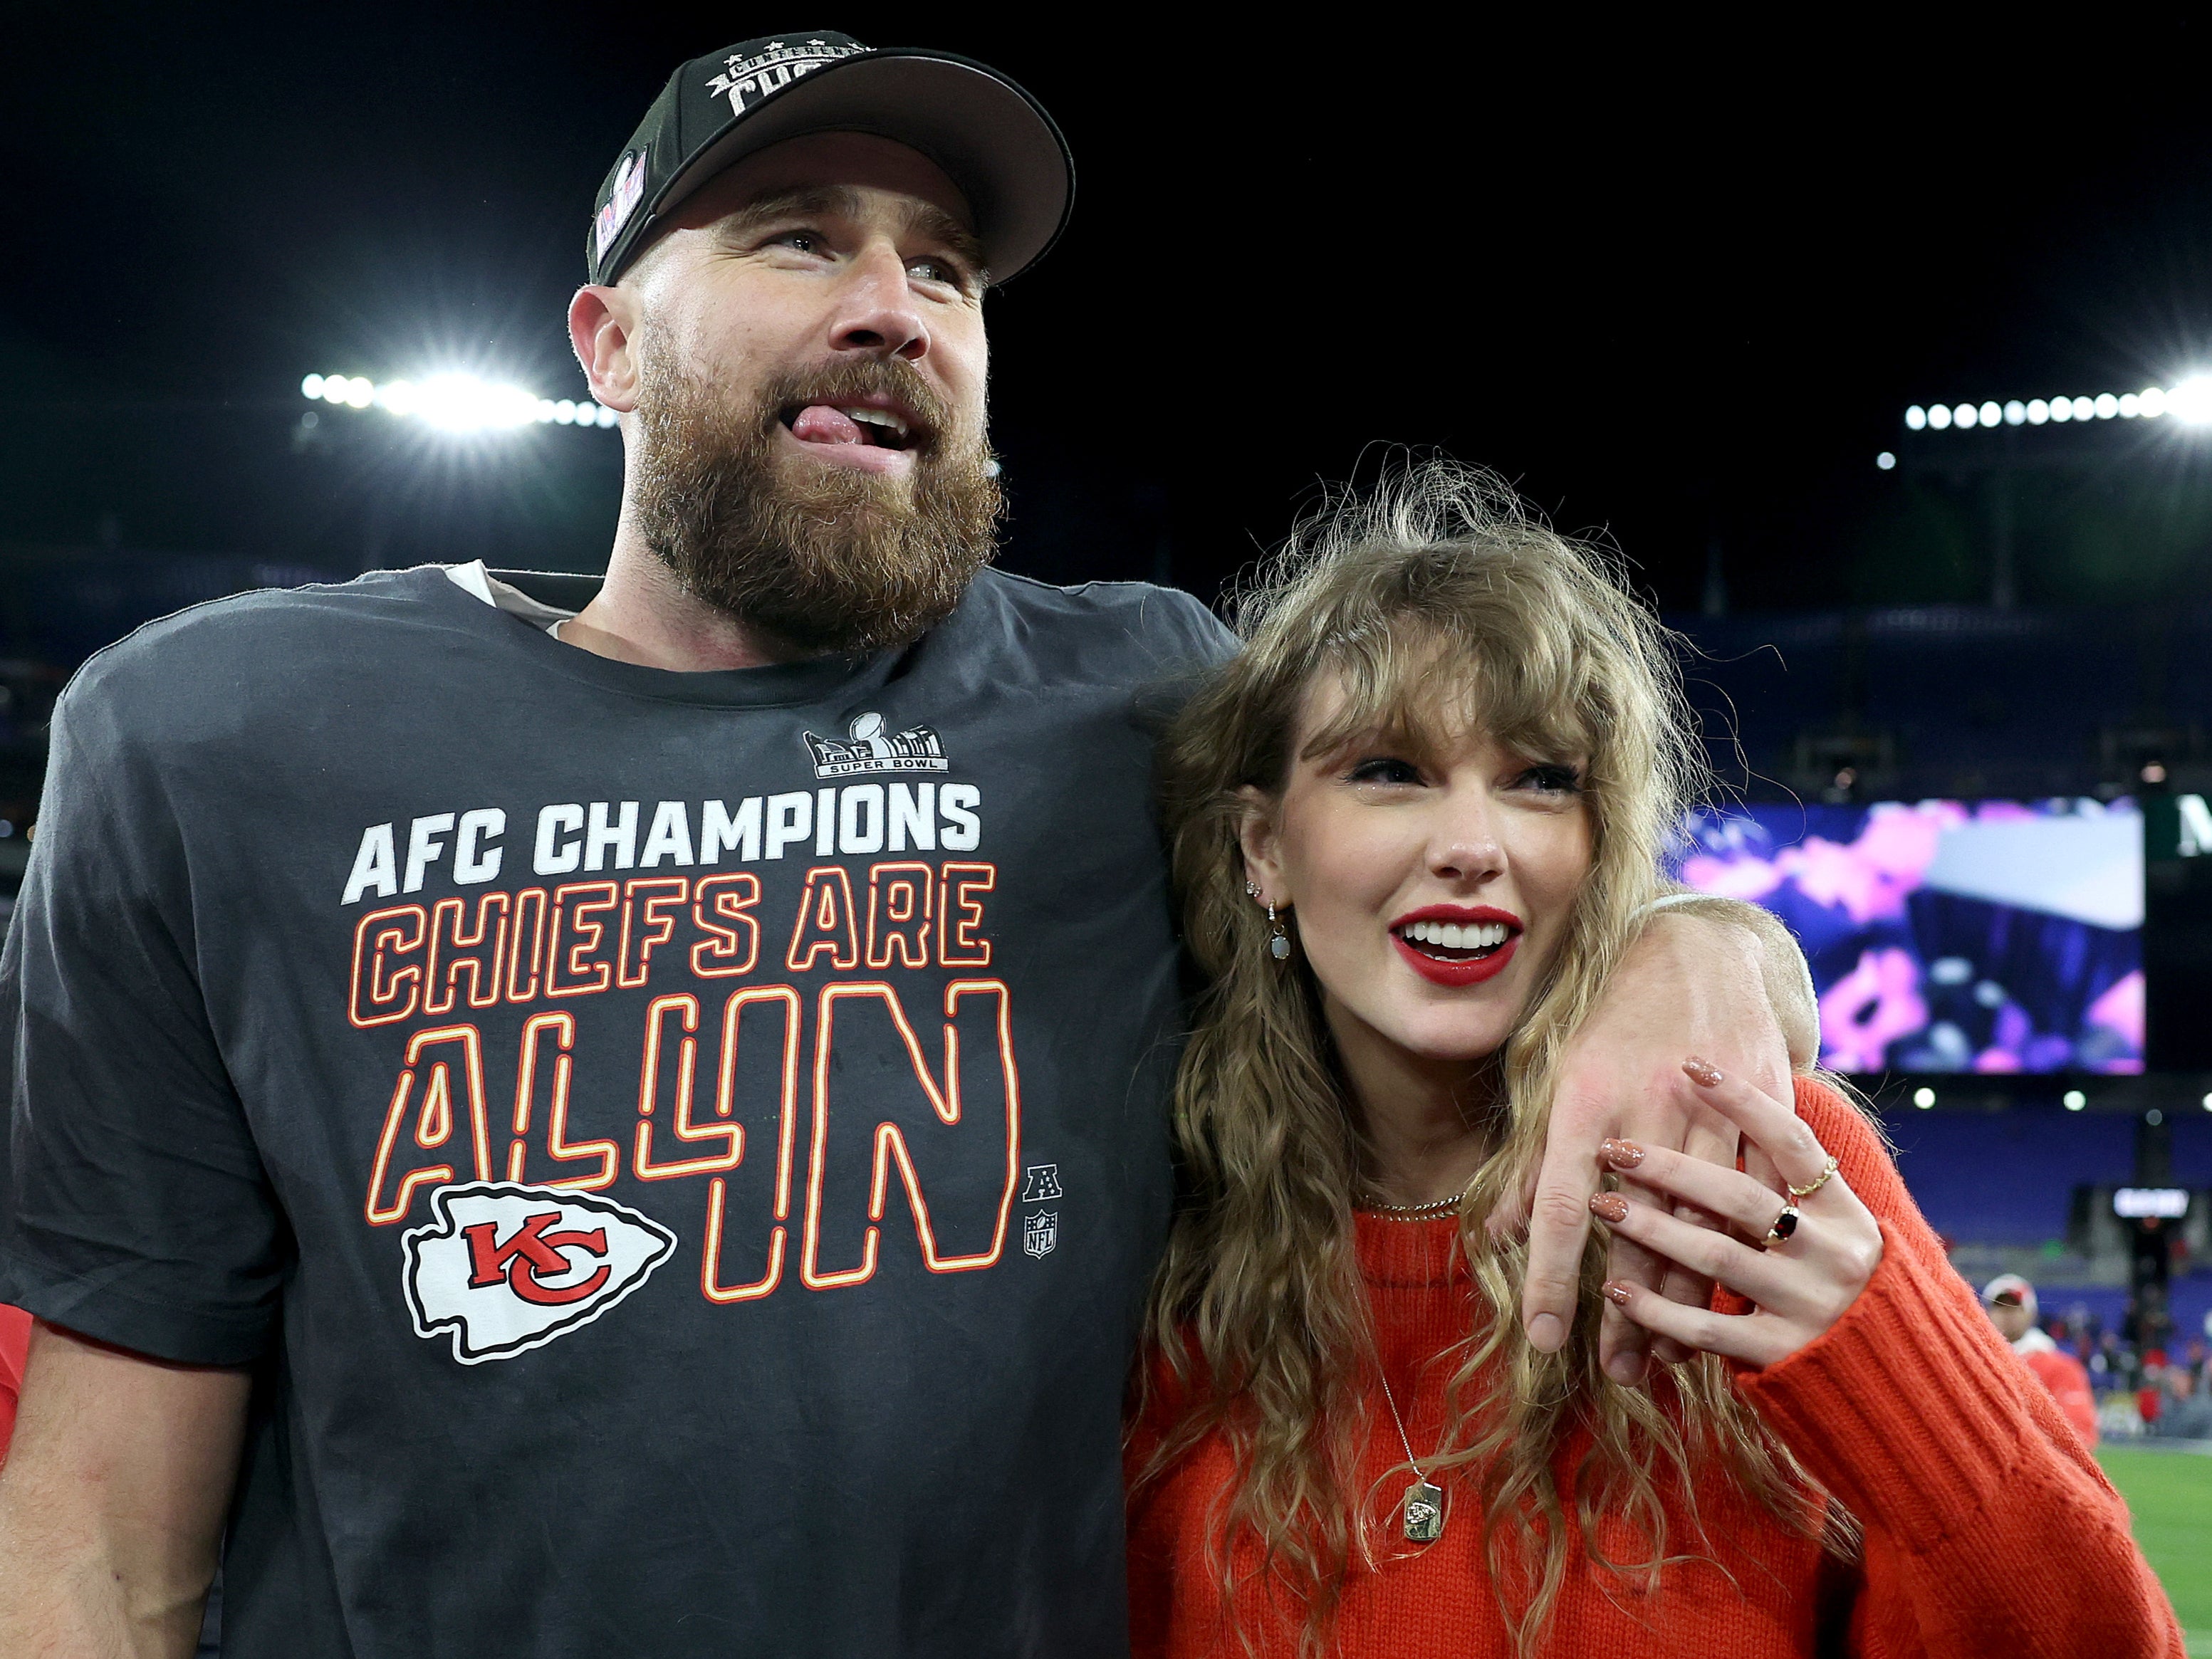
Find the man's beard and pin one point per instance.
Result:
(825, 558)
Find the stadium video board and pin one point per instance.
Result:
(1950, 936)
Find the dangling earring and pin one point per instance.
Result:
(1279, 945)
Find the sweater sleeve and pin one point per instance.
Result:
(1989, 1528)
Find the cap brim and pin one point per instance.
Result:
(991, 138)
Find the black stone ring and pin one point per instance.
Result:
(1784, 1226)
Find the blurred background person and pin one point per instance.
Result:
(2185, 1412)
(2010, 1300)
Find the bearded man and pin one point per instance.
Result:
(638, 1129)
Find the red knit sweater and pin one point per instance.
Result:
(1989, 1530)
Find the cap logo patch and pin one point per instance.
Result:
(621, 201)
(747, 81)
(505, 1268)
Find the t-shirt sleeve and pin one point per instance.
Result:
(134, 1207)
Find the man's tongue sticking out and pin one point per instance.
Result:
(818, 424)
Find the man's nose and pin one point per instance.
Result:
(876, 313)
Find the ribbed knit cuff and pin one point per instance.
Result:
(1909, 1408)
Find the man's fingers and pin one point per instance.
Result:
(1558, 1226)
(1710, 1138)
(1622, 1346)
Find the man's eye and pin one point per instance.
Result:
(804, 241)
(1383, 768)
(936, 271)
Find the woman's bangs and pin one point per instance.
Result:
(1414, 683)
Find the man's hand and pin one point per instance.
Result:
(1714, 978)
(112, 1500)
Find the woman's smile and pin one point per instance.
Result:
(1455, 944)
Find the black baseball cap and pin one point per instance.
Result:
(990, 137)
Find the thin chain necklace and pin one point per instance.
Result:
(1422, 1509)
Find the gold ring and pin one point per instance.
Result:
(1784, 1226)
(1817, 1181)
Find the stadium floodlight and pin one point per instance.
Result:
(2208, 1102)
(454, 403)
(1884, 461)
(1923, 1098)
(2190, 403)
(2074, 1100)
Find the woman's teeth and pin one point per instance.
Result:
(1456, 936)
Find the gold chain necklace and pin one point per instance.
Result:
(1434, 1210)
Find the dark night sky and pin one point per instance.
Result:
(1675, 285)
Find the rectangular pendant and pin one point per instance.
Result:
(1424, 1513)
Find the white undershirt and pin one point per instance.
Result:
(473, 578)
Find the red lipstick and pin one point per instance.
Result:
(1474, 970)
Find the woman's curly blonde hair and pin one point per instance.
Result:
(1436, 602)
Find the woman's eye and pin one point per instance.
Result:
(1384, 769)
(1552, 779)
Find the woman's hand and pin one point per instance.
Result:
(1698, 979)
(1801, 1284)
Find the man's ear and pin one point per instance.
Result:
(1257, 835)
(603, 329)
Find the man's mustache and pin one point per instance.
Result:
(931, 420)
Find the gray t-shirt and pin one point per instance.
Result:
(683, 1153)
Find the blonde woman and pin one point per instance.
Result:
(1414, 824)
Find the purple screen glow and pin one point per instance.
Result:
(1950, 936)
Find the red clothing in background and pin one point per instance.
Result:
(2063, 1374)
(15, 1345)
(1989, 1530)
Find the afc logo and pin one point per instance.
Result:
(1041, 1183)
(1040, 1233)
(505, 1267)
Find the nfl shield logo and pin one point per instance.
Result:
(1040, 1232)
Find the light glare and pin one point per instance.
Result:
(2191, 403)
(454, 402)
(1884, 461)
(2016, 412)
(1923, 1098)
(1915, 417)
(2038, 411)
(2074, 1100)
(1964, 415)
(1991, 414)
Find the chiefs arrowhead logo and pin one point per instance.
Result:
(507, 1269)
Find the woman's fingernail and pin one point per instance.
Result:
(1545, 1333)
(1609, 1206)
(1621, 1154)
(1703, 1072)
(1616, 1294)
